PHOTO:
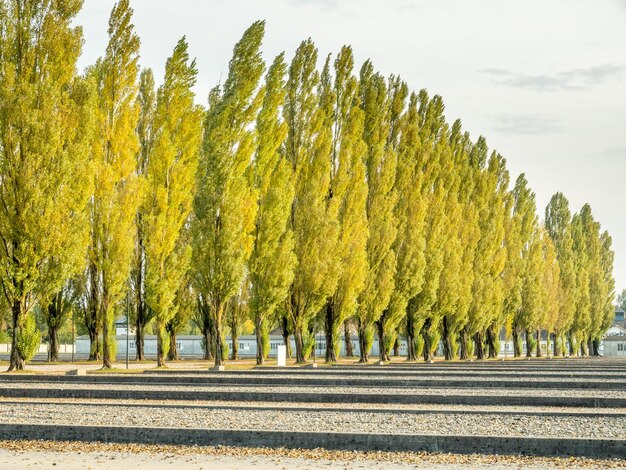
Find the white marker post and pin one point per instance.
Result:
(281, 355)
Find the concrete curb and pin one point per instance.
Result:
(325, 408)
(325, 397)
(226, 379)
(595, 448)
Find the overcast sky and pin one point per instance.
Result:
(543, 81)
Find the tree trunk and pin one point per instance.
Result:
(363, 352)
(554, 345)
(140, 320)
(258, 325)
(396, 346)
(161, 337)
(107, 361)
(427, 352)
(529, 351)
(447, 340)
(410, 338)
(463, 345)
(347, 339)
(92, 320)
(480, 349)
(329, 330)
(516, 346)
(53, 336)
(217, 322)
(491, 342)
(17, 361)
(172, 354)
(234, 339)
(382, 353)
(139, 333)
(286, 333)
(596, 347)
(299, 345)
(538, 353)
(208, 341)
(95, 347)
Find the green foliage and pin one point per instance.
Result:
(171, 172)
(225, 209)
(28, 338)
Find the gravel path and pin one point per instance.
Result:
(322, 407)
(19, 455)
(356, 421)
(406, 376)
(164, 387)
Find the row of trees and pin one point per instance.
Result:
(299, 196)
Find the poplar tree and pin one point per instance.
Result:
(348, 193)
(380, 167)
(551, 292)
(145, 131)
(410, 212)
(436, 238)
(308, 149)
(468, 233)
(605, 312)
(55, 295)
(118, 189)
(42, 157)
(582, 315)
(558, 225)
(522, 227)
(171, 171)
(490, 255)
(272, 260)
(531, 307)
(225, 206)
(500, 213)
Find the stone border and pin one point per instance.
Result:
(326, 408)
(323, 397)
(594, 448)
(219, 379)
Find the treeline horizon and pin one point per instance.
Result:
(306, 195)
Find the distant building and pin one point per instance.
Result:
(615, 338)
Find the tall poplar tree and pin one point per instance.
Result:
(582, 297)
(272, 260)
(348, 192)
(171, 172)
(522, 227)
(118, 189)
(558, 225)
(145, 131)
(55, 295)
(225, 207)
(308, 149)
(410, 212)
(468, 233)
(42, 156)
(605, 312)
(381, 199)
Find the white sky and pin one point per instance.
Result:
(545, 82)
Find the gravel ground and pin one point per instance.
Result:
(325, 421)
(531, 378)
(165, 387)
(324, 406)
(19, 455)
